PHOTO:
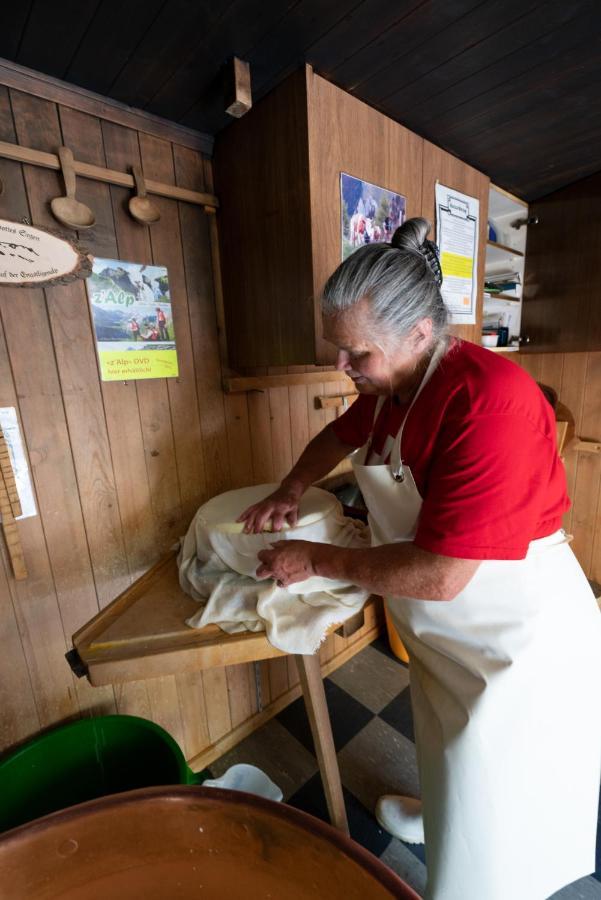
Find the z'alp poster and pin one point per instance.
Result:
(133, 321)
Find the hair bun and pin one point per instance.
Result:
(412, 235)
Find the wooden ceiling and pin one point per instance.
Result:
(511, 86)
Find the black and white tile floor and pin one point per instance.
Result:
(370, 710)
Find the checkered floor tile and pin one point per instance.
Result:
(369, 703)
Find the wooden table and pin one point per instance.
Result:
(142, 634)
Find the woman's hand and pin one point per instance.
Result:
(280, 507)
(289, 561)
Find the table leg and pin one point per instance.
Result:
(321, 729)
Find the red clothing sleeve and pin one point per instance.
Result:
(353, 426)
(488, 487)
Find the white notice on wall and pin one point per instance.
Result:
(12, 435)
(457, 226)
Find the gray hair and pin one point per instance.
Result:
(401, 281)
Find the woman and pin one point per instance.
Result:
(457, 462)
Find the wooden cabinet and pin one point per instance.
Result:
(505, 260)
(277, 174)
(562, 291)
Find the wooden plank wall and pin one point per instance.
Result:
(119, 468)
(577, 379)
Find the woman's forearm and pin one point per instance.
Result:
(396, 570)
(318, 458)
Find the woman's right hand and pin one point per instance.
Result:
(281, 507)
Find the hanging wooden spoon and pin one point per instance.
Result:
(68, 210)
(141, 208)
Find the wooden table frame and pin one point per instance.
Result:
(142, 634)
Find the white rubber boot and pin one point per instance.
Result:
(401, 817)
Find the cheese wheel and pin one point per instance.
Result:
(220, 513)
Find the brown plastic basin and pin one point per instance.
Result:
(182, 842)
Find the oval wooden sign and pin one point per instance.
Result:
(31, 256)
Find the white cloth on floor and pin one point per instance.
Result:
(217, 564)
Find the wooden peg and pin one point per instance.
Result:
(586, 446)
(340, 401)
(237, 90)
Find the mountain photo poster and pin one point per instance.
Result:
(133, 320)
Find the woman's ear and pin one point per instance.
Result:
(421, 336)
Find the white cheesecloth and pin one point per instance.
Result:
(217, 564)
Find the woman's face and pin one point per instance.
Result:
(381, 368)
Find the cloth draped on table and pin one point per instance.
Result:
(217, 567)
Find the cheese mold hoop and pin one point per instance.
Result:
(215, 535)
(220, 513)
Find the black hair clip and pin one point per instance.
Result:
(431, 255)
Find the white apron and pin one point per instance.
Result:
(505, 685)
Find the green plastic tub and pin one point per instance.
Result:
(87, 759)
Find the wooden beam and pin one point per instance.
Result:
(237, 92)
(217, 279)
(109, 176)
(31, 82)
(236, 384)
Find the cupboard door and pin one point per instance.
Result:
(262, 181)
(562, 303)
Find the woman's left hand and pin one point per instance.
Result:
(289, 561)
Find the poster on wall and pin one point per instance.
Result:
(133, 321)
(457, 224)
(9, 424)
(368, 214)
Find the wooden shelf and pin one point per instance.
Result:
(236, 383)
(500, 253)
(501, 297)
(511, 250)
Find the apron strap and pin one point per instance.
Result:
(396, 462)
(377, 410)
